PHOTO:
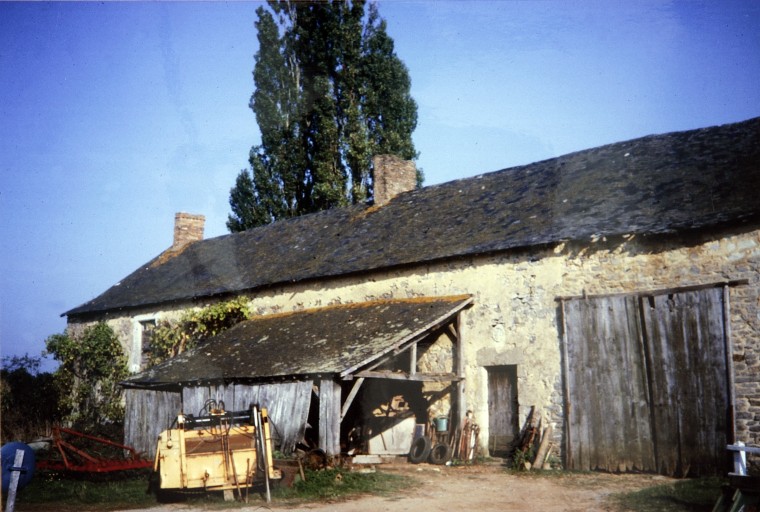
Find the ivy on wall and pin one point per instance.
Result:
(171, 338)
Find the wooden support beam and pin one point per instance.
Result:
(729, 364)
(417, 377)
(413, 359)
(566, 390)
(329, 416)
(460, 404)
(451, 330)
(350, 397)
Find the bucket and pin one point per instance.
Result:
(442, 424)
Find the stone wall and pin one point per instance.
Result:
(515, 317)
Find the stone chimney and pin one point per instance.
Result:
(392, 177)
(187, 228)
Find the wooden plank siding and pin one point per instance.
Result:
(146, 414)
(647, 383)
(287, 404)
(329, 416)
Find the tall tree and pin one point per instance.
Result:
(330, 92)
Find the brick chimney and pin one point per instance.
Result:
(392, 177)
(187, 228)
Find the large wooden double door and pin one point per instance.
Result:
(646, 383)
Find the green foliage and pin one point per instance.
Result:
(521, 458)
(92, 363)
(330, 94)
(171, 338)
(28, 399)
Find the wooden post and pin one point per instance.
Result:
(329, 416)
(543, 447)
(729, 365)
(460, 407)
(566, 391)
(17, 462)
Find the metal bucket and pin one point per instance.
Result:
(442, 424)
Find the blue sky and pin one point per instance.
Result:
(114, 116)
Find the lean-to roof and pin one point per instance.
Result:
(329, 341)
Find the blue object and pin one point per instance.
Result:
(25, 471)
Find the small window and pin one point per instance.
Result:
(147, 327)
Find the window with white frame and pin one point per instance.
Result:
(142, 332)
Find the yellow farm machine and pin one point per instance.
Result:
(219, 451)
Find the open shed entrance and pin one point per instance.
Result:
(647, 382)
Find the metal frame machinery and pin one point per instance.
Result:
(216, 452)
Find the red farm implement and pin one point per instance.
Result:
(92, 455)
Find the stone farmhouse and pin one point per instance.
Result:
(615, 291)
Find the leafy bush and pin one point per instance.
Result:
(28, 399)
(92, 364)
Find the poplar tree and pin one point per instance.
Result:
(330, 92)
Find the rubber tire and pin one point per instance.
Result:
(440, 454)
(420, 450)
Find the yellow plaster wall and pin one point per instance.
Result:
(515, 316)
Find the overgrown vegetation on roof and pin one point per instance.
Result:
(171, 338)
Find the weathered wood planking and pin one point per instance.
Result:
(146, 414)
(647, 387)
(329, 416)
(503, 420)
(287, 404)
(689, 387)
(609, 422)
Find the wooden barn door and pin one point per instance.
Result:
(689, 385)
(607, 404)
(646, 383)
(503, 423)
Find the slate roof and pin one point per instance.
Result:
(325, 341)
(651, 185)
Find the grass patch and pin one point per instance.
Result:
(697, 494)
(97, 493)
(131, 491)
(330, 484)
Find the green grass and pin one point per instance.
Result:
(52, 491)
(97, 493)
(698, 494)
(335, 483)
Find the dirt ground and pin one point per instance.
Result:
(479, 488)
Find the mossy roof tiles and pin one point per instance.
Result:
(324, 341)
(651, 185)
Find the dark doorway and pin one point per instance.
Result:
(502, 408)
